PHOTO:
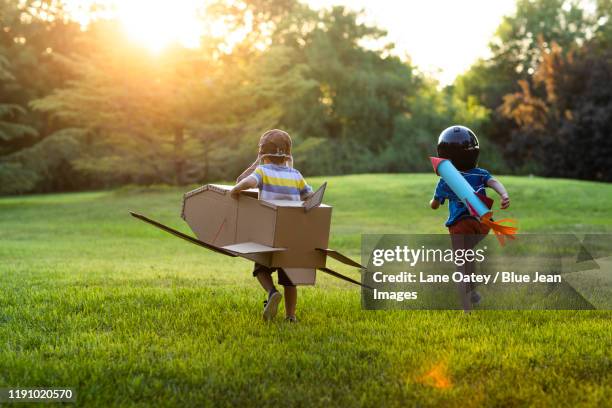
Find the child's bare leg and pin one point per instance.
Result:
(459, 243)
(463, 288)
(265, 280)
(264, 276)
(290, 300)
(469, 270)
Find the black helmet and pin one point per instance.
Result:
(460, 145)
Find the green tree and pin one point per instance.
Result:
(31, 33)
(10, 127)
(132, 108)
(347, 98)
(516, 54)
(563, 116)
(517, 45)
(359, 96)
(166, 118)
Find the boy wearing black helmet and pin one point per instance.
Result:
(460, 145)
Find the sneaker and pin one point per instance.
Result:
(475, 297)
(271, 305)
(291, 319)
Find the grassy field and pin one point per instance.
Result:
(128, 315)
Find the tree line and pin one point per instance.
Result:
(84, 108)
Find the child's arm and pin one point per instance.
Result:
(305, 190)
(306, 196)
(501, 190)
(249, 170)
(244, 184)
(440, 194)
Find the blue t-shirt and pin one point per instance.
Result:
(477, 178)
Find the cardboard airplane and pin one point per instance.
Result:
(292, 235)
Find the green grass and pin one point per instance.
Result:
(128, 315)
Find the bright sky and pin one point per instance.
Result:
(443, 37)
(149, 28)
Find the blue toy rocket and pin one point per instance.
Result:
(478, 205)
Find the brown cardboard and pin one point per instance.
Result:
(301, 276)
(219, 219)
(341, 258)
(316, 199)
(292, 235)
(303, 232)
(211, 214)
(256, 222)
(251, 248)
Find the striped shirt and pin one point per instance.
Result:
(280, 183)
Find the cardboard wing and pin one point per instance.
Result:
(255, 252)
(292, 235)
(245, 248)
(341, 258)
(181, 235)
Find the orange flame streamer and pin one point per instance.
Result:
(502, 232)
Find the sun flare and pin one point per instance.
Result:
(157, 24)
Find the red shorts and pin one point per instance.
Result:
(469, 226)
(467, 232)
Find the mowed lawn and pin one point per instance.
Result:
(93, 299)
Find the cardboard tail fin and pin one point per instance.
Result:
(346, 278)
(315, 199)
(179, 234)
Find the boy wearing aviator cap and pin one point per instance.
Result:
(273, 174)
